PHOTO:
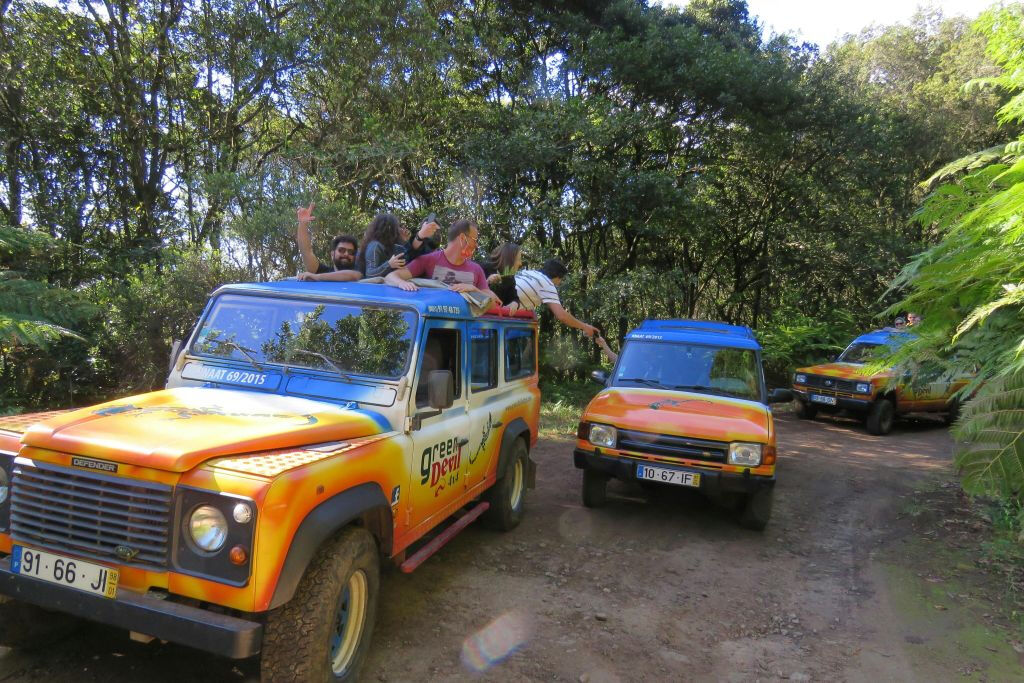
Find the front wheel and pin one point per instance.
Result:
(805, 411)
(952, 412)
(757, 509)
(881, 415)
(595, 488)
(323, 633)
(508, 496)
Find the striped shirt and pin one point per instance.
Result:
(535, 288)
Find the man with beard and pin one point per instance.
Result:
(343, 253)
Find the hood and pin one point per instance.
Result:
(844, 371)
(679, 413)
(178, 429)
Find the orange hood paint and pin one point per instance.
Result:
(177, 429)
(844, 371)
(680, 413)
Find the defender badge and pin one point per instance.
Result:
(91, 464)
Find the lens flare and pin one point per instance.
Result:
(494, 642)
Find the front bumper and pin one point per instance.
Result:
(711, 481)
(202, 629)
(859, 405)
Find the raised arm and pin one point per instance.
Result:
(309, 259)
(567, 318)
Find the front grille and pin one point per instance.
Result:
(848, 386)
(90, 515)
(667, 446)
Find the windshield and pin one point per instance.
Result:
(690, 367)
(860, 352)
(336, 338)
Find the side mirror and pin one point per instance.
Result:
(175, 351)
(780, 396)
(600, 377)
(440, 389)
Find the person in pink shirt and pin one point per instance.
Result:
(451, 266)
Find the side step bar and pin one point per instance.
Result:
(438, 542)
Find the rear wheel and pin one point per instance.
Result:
(881, 415)
(508, 496)
(323, 633)
(595, 488)
(757, 509)
(805, 411)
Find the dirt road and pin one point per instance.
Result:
(658, 586)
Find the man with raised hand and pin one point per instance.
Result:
(538, 288)
(451, 266)
(343, 253)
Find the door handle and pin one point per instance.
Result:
(462, 442)
(497, 424)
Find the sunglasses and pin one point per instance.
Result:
(345, 250)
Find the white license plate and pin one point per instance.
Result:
(65, 571)
(828, 400)
(667, 476)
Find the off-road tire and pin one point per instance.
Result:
(805, 411)
(297, 638)
(595, 488)
(881, 416)
(508, 495)
(953, 412)
(757, 509)
(29, 627)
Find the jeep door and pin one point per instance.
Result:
(487, 400)
(439, 443)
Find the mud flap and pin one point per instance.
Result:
(531, 473)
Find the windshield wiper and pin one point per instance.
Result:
(245, 352)
(644, 380)
(325, 359)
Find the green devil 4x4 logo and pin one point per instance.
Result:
(440, 463)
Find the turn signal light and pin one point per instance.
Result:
(238, 555)
(769, 455)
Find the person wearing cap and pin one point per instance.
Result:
(539, 287)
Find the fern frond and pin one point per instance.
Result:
(990, 436)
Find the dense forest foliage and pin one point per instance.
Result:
(681, 162)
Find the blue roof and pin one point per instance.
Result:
(428, 302)
(886, 335)
(697, 332)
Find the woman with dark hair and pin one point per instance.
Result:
(377, 255)
(501, 267)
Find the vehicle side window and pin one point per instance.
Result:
(483, 358)
(520, 356)
(440, 352)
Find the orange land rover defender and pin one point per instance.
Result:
(685, 405)
(307, 431)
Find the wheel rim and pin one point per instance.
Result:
(516, 494)
(348, 625)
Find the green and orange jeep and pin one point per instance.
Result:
(307, 431)
(852, 383)
(685, 405)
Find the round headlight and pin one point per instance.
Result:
(801, 379)
(5, 486)
(748, 454)
(242, 513)
(208, 528)
(602, 435)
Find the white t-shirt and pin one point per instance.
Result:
(535, 288)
